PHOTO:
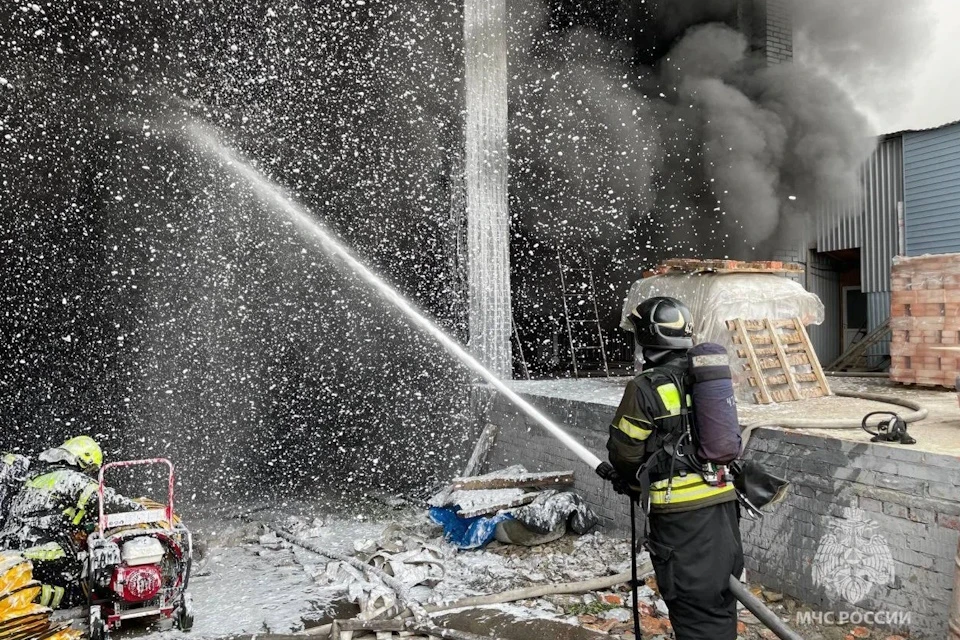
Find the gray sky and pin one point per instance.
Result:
(925, 89)
(935, 85)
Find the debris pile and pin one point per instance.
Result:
(443, 579)
(497, 591)
(511, 505)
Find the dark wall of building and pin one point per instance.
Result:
(153, 300)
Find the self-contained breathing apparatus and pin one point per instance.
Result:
(696, 436)
(675, 439)
(677, 427)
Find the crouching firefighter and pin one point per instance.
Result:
(673, 435)
(49, 519)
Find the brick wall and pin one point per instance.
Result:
(911, 497)
(795, 255)
(779, 24)
(768, 25)
(925, 320)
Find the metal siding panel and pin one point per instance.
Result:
(932, 190)
(885, 189)
(839, 225)
(869, 222)
(823, 281)
(878, 311)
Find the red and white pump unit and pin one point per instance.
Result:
(138, 563)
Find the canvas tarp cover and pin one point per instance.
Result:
(714, 298)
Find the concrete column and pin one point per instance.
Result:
(485, 175)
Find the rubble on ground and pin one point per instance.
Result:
(511, 505)
(438, 573)
(287, 589)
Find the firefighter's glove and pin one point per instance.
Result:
(607, 472)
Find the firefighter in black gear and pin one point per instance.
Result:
(694, 533)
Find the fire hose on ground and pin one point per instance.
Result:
(918, 412)
(769, 619)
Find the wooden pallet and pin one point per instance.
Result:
(855, 358)
(780, 361)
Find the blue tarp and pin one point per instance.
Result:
(466, 533)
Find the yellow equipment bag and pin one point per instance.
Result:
(20, 617)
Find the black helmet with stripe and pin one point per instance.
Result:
(662, 323)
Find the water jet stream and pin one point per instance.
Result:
(273, 195)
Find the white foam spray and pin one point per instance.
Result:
(274, 196)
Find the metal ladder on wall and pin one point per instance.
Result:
(580, 293)
(519, 350)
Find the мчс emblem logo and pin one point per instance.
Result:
(852, 557)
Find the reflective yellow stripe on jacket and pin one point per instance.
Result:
(51, 596)
(46, 482)
(44, 552)
(634, 427)
(80, 511)
(670, 397)
(687, 492)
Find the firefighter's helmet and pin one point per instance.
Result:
(663, 323)
(82, 452)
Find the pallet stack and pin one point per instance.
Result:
(779, 362)
(925, 320)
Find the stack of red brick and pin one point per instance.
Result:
(925, 320)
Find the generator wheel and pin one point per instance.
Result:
(98, 628)
(184, 617)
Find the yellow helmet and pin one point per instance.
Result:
(85, 451)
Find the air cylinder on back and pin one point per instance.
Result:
(714, 404)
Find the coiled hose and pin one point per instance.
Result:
(917, 412)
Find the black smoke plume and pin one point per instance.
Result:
(643, 131)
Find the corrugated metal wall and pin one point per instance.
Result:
(840, 226)
(883, 191)
(823, 280)
(932, 193)
(869, 223)
(878, 310)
